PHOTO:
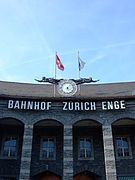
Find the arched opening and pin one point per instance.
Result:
(123, 136)
(124, 122)
(47, 176)
(86, 175)
(88, 148)
(11, 136)
(47, 148)
(10, 122)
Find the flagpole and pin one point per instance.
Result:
(79, 86)
(55, 76)
(78, 66)
(55, 65)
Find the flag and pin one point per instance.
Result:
(59, 64)
(81, 63)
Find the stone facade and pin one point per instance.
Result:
(102, 126)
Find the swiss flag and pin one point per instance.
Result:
(59, 64)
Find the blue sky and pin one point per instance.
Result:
(31, 32)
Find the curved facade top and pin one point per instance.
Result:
(81, 133)
(110, 90)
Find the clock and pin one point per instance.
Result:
(67, 88)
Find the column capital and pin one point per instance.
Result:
(68, 126)
(28, 126)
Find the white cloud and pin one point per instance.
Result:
(97, 58)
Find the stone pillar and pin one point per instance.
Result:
(26, 153)
(68, 153)
(110, 166)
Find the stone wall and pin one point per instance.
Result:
(101, 137)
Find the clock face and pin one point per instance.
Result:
(67, 87)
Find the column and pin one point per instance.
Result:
(110, 166)
(26, 153)
(68, 153)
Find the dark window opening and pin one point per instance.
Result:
(123, 147)
(85, 148)
(9, 147)
(47, 148)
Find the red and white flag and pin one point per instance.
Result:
(59, 64)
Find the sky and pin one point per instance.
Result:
(32, 31)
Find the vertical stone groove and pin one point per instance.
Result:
(26, 153)
(68, 153)
(110, 166)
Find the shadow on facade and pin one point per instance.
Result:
(47, 149)
(11, 136)
(88, 150)
(124, 145)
